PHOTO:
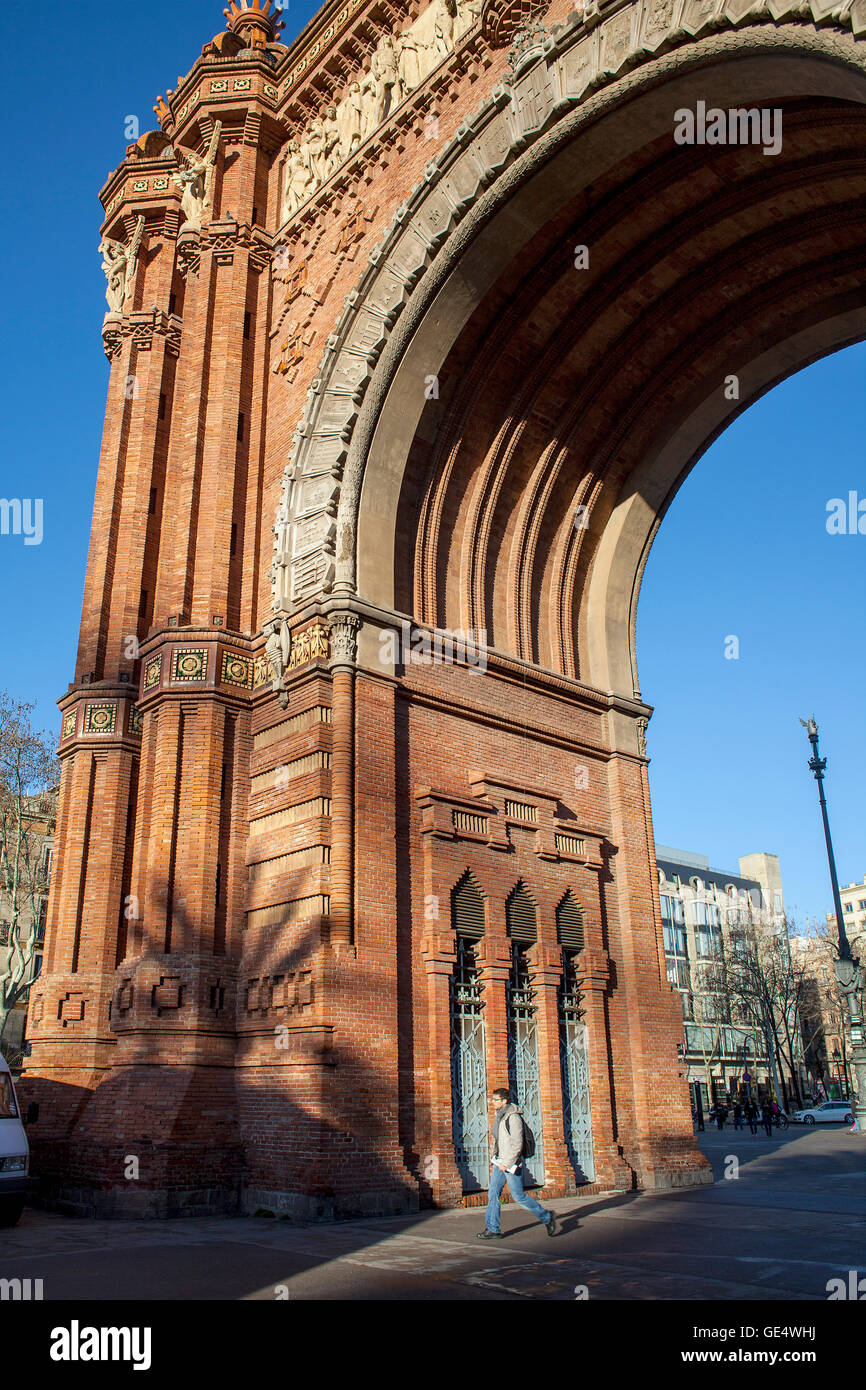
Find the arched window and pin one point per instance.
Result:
(520, 916)
(569, 924)
(467, 909)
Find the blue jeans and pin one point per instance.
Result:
(498, 1180)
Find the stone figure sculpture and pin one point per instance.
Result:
(409, 62)
(350, 118)
(315, 144)
(385, 68)
(318, 642)
(195, 180)
(278, 646)
(333, 154)
(446, 18)
(369, 102)
(300, 181)
(120, 264)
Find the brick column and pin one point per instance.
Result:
(158, 849)
(494, 960)
(495, 968)
(441, 1176)
(592, 976)
(69, 1014)
(72, 1045)
(546, 971)
(344, 629)
(101, 905)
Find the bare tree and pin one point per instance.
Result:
(711, 1006)
(767, 988)
(823, 1015)
(28, 780)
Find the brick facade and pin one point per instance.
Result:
(250, 945)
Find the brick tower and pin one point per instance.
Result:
(354, 817)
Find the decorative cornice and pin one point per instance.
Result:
(142, 328)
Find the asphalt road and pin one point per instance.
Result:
(788, 1216)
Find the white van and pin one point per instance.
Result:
(14, 1152)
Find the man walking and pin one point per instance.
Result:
(507, 1166)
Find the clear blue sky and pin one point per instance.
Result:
(743, 551)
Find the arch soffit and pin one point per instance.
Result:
(341, 447)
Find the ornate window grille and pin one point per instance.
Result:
(523, 1056)
(575, 1073)
(468, 1071)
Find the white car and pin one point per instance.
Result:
(14, 1152)
(836, 1111)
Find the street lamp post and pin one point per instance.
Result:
(849, 975)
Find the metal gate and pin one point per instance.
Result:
(468, 1072)
(575, 1077)
(523, 1058)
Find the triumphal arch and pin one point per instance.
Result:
(415, 326)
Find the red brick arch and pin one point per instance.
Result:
(410, 534)
(247, 948)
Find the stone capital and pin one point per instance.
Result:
(344, 639)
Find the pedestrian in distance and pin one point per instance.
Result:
(767, 1117)
(721, 1116)
(507, 1167)
(738, 1115)
(752, 1116)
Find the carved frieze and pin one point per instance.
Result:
(399, 63)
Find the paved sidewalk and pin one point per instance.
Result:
(794, 1217)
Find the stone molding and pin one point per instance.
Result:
(484, 819)
(99, 716)
(141, 327)
(592, 52)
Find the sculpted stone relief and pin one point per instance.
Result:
(119, 264)
(399, 64)
(194, 178)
